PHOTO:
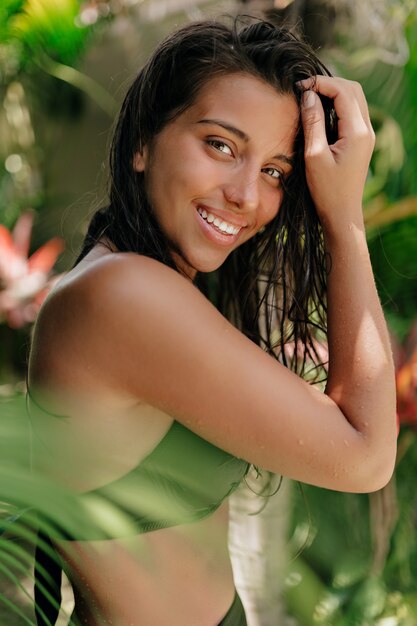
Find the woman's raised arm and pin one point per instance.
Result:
(361, 371)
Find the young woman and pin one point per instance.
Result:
(223, 184)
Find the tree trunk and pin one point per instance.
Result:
(258, 545)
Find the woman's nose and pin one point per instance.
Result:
(243, 191)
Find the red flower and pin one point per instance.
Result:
(24, 282)
(405, 357)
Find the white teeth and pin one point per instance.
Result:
(220, 224)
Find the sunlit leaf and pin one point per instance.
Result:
(47, 26)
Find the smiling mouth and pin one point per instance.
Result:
(221, 225)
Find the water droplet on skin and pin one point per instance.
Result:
(358, 359)
(301, 442)
(346, 442)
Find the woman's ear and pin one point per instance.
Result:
(140, 160)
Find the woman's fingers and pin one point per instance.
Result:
(336, 174)
(349, 103)
(312, 115)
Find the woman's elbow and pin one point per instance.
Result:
(376, 474)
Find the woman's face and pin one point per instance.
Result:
(214, 175)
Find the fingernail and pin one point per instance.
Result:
(309, 99)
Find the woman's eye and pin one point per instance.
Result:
(220, 146)
(273, 172)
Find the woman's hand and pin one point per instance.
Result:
(336, 173)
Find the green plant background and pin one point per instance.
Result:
(63, 69)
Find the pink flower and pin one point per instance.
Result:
(24, 282)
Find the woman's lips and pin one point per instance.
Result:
(223, 216)
(224, 226)
(211, 229)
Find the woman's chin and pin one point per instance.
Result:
(193, 264)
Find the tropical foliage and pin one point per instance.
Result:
(358, 563)
(41, 44)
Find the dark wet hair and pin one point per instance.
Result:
(272, 287)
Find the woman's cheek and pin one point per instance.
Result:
(272, 206)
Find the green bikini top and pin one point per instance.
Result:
(184, 479)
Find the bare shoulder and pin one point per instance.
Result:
(137, 312)
(118, 278)
(123, 294)
(103, 309)
(135, 278)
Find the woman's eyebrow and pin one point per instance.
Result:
(242, 135)
(236, 131)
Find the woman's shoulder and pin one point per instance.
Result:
(100, 303)
(111, 278)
